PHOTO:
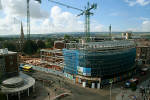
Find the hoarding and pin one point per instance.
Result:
(80, 70)
(84, 71)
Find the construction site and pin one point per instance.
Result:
(88, 62)
(100, 62)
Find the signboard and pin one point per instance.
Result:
(69, 76)
(87, 71)
(110, 81)
(84, 71)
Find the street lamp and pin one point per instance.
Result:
(111, 81)
(122, 93)
(49, 95)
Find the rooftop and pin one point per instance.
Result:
(27, 83)
(102, 45)
(6, 52)
(13, 82)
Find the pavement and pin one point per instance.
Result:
(77, 91)
(64, 85)
(127, 94)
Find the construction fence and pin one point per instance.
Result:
(47, 70)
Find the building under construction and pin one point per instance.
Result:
(53, 56)
(143, 52)
(97, 63)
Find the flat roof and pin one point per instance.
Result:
(6, 52)
(28, 82)
(102, 45)
(143, 46)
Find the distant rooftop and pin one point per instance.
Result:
(102, 45)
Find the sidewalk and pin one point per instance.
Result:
(129, 95)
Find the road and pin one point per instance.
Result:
(144, 81)
(78, 92)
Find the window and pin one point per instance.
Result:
(11, 63)
(143, 62)
(10, 57)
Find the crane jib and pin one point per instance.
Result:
(85, 12)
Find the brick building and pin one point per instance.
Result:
(8, 63)
(59, 45)
(143, 55)
(143, 52)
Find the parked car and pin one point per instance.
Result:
(130, 81)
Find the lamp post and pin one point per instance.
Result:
(111, 81)
(49, 95)
(122, 93)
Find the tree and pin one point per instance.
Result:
(10, 45)
(2, 96)
(40, 44)
(67, 37)
(133, 86)
(1, 39)
(30, 47)
(49, 43)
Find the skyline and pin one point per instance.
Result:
(47, 17)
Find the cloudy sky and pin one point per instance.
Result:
(47, 17)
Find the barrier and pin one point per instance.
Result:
(47, 70)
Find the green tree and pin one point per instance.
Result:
(2, 96)
(67, 37)
(41, 44)
(1, 39)
(10, 45)
(30, 47)
(133, 86)
(49, 43)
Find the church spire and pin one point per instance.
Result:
(21, 38)
(22, 33)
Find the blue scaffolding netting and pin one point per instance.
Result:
(99, 63)
(71, 61)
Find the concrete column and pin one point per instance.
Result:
(19, 95)
(7, 96)
(43, 83)
(34, 88)
(84, 84)
(98, 85)
(28, 92)
(93, 85)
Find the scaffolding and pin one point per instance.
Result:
(99, 59)
(104, 45)
(71, 61)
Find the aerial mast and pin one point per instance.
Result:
(110, 31)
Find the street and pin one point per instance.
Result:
(56, 85)
(52, 82)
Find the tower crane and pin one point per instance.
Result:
(28, 18)
(87, 12)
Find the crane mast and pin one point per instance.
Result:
(28, 18)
